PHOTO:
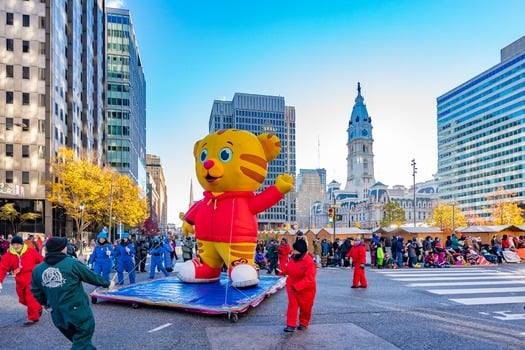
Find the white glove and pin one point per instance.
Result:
(1, 286)
(90, 266)
(108, 252)
(112, 285)
(127, 250)
(48, 308)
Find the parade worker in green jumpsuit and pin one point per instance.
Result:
(57, 285)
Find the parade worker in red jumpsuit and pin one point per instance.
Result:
(358, 255)
(21, 260)
(283, 251)
(300, 286)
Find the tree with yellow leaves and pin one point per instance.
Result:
(448, 217)
(91, 195)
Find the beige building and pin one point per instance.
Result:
(158, 194)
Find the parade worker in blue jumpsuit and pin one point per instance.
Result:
(124, 253)
(102, 257)
(157, 258)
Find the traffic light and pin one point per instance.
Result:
(330, 214)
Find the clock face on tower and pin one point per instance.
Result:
(364, 132)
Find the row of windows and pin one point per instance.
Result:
(489, 102)
(118, 115)
(9, 175)
(10, 45)
(26, 72)
(485, 176)
(113, 101)
(118, 130)
(492, 82)
(479, 79)
(9, 150)
(9, 124)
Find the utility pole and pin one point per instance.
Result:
(414, 171)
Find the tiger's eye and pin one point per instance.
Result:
(204, 155)
(226, 154)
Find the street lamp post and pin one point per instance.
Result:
(81, 228)
(414, 171)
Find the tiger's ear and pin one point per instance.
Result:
(196, 148)
(271, 145)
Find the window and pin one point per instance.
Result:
(42, 48)
(25, 98)
(9, 18)
(25, 20)
(25, 124)
(25, 46)
(41, 74)
(9, 71)
(9, 123)
(25, 72)
(41, 125)
(9, 177)
(25, 177)
(9, 97)
(9, 150)
(42, 22)
(25, 151)
(40, 152)
(41, 100)
(9, 45)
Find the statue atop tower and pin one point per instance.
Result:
(360, 159)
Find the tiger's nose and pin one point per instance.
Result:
(208, 164)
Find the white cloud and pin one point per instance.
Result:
(116, 4)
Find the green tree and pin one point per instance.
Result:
(393, 214)
(448, 217)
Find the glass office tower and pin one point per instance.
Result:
(126, 99)
(481, 136)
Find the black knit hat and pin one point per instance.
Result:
(56, 244)
(17, 239)
(300, 246)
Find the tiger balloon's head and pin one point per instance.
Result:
(234, 160)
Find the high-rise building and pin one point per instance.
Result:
(481, 138)
(311, 187)
(158, 202)
(259, 114)
(51, 95)
(126, 99)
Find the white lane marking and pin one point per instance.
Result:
(476, 290)
(451, 284)
(433, 271)
(159, 328)
(462, 278)
(486, 301)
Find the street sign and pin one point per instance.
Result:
(338, 217)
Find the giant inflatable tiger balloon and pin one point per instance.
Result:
(230, 165)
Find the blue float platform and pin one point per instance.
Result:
(208, 298)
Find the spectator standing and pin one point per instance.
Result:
(317, 251)
(272, 254)
(300, 287)
(21, 259)
(141, 255)
(57, 284)
(326, 248)
(187, 249)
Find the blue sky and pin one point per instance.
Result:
(405, 53)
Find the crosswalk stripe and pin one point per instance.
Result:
(486, 301)
(477, 290)
(466, 282)
(444, 284)
(451, 274)
(461, 278)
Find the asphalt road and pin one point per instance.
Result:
(409, 309)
